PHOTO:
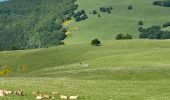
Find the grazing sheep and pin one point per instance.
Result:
(8, 92)
(45, 96)
(35, 93)
(73, 97)
(63, 97)
(20, 93)
(2, 93)
(39, 97)
(52, 97)
(55, 93)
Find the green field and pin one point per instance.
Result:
(121, 20)
(117, 70)
(137, 69)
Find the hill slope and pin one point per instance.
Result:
(119, 70)
(121, 20)
(136, 53)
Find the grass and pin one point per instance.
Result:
(119, 70)
(121, 20)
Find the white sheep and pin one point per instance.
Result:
(2, 93)
(39, 97)
(45, 96)
(73, 97)
(63, 97)
(52, 97)
(55, 93)
(21, 93)
(35, 93)
(8, 92)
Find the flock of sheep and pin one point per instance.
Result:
(38, 95)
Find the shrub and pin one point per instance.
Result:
(95, 42)
(119, 36)
(127, 36)
(165, 3)
(80, 15)
(103, 9)
(143, 35)
(94, 12)
(141, 29)
(130, 7)
(109, 11)
(111, 8)
(99, 15)
(140, 22)
(83, 11)
(106, 9)
(156, 2)
(154, 32)
(166, 24)
(158, 35)
(75, 6)
(165, 35)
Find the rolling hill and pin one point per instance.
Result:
(121, 20)
(129, 69)
(137, 69)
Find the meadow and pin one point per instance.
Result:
(137, 69)
(117, 70)
(121, 20)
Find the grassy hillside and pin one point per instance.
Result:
(121, 20)
(116, 70)
(119, 70)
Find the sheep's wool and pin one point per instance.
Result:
(38, 97)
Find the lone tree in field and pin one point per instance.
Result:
(130, 7)
(95, 42)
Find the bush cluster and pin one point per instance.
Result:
(106, 9)
(80, 15)
(166, 24)
(162, 3)
(122, 36)
(153, 32)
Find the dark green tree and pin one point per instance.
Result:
(95, 42)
